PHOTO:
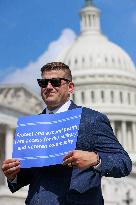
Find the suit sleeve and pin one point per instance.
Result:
(115, 161)
(23, 179)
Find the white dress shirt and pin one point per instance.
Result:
(63, 108)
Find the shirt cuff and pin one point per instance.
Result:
(98, 165)
(14, 181)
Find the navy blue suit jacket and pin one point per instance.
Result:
(62, 185)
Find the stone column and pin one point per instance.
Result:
(9, 142)
(9, 132)
(78, 97)
(134, 135)
(97, 96)
(124, 134)
(87, 21)
(113, 125)
(125, 98)
(130, 139)
(107, 97)
(116, 97)
(119, 134)
(87, 98)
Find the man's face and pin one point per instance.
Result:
(56, 96)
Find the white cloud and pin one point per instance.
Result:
(31, 72)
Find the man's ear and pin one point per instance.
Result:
(71, 87)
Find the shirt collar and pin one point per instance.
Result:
(63, 108)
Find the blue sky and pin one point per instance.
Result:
(30, 30)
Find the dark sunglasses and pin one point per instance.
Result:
(55, 82)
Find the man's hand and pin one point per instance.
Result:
(10, 168)
(81, 159)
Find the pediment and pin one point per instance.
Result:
(20, 98)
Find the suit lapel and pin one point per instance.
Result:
(73, 106)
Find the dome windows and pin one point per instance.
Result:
(77, 61)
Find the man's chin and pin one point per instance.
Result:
(51, 103)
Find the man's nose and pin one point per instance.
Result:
(49, 85)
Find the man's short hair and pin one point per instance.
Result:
(57, 66)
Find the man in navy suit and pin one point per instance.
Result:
(77, 181)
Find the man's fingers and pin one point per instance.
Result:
(70, 154)
(9, 161)
(12, 170)
(13, 175)
(10, 165)
(68, 161)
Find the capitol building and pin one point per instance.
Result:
(105, 80)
